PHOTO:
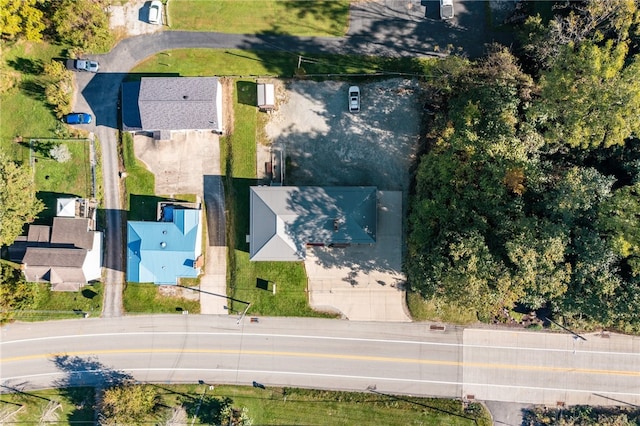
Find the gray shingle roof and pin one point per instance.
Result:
(285, 218)
(72, 231)
(172, 103)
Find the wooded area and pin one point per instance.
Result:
(528, 192)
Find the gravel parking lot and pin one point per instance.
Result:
(328, 146)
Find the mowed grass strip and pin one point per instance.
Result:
(221, 62)
(270, 406)
(52, 305)
(146, 298)
(303, 18)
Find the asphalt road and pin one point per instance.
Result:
(399, 358)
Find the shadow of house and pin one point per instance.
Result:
(67, 254)
(161, 252)
(287, 219)
(157, 104)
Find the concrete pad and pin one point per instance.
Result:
(213, 284)
(179, 163)
(365, 282)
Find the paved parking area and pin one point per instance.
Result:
(179, 163)
(328, 146)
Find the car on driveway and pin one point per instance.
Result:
(354, 99)
(83, 65)
(155, 12)
(78, 118)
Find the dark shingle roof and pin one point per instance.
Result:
(172, 103)
(72, 231)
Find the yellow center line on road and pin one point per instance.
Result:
(327, 356)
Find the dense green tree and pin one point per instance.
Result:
(590, 97)
(21, 18)
(83, 23)
(15, 294)
(129, 404)
(585, 21)
(620, 221)
(59, 87)
(18, 203)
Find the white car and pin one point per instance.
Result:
(354, 99)
(446, 9)
(155, 12)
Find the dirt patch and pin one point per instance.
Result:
(130, 19)
(179, 292)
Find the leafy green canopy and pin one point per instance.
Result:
(18, 203)
(500, 216)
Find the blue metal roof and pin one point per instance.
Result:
(161, 252)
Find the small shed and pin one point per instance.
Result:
(266, 97)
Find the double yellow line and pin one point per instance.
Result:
(392, 360)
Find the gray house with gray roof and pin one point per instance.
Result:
(284, 220)
(172, 103)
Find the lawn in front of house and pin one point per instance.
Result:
(53, 305)
(146, 298)
(59, 180)
(303, 18)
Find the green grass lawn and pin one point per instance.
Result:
(265, 406)
(146, 298)
(54, 180)
(305, 18)
(221, 62)
(24, 110)
(51, 305)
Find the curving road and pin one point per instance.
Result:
(399, 358)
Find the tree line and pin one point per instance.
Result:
(529, 190)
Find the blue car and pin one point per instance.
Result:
(78, 118)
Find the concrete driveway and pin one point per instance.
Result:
(364, 283)
(179, 164)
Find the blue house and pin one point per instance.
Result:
(161, 252)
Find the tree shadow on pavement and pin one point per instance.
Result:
(81, 378)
